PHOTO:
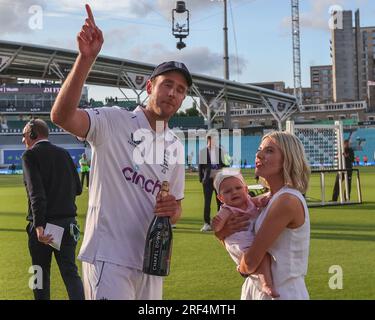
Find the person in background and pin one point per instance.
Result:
(357, 160)
(12, 168)
(52, 184)
(365, 159)
(349, 159)
(85, 169)
(210, 162)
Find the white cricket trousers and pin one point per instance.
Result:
(107, 281)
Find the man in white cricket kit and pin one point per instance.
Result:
(123, 191)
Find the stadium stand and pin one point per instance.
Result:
(187, 123)
(13, 121)
(126, 104)
(249, 146)
(363, 143)
(345, 122)
(16, 126)
(96, 104)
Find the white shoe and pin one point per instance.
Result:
(206, 227)
(174, 226)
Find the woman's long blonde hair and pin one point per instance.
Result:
(296, 170)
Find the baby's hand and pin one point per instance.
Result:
(261, 201)
(264, 200)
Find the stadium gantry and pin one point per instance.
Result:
(30, 61)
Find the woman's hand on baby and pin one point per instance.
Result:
(215, 222)
(237, 222)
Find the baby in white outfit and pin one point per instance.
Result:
(232, 192)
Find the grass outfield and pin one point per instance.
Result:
(201, 268)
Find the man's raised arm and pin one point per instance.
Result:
(65, 112)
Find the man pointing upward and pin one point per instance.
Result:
(122, 199)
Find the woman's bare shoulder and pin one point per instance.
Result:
(288, 204)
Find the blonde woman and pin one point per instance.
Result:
(283, 227)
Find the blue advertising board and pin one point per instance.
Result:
(14, 156)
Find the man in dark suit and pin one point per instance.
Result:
(52, 184)
(210, 161)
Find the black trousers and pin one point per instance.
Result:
(83, 175)
(336, 188)
(208, 189)
(41, 255)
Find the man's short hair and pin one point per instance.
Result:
(39, 127)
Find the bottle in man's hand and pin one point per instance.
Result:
(158, 248)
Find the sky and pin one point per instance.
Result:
(259, 36)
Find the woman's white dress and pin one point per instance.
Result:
(289, 255)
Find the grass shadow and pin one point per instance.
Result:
(342, 227)
(191, 221)
(192, 231)
(12, 230)
(13, 214)
(368, 206)
(338, 236)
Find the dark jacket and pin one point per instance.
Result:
(349, 157)
(52, 183)
(205, 165)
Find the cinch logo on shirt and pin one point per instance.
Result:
(149, 185)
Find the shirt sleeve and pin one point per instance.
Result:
(35, 189)
(101, 124)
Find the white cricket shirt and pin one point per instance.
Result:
(122, 191)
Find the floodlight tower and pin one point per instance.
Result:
(296, 51)
(228, 120)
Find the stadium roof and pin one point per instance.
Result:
(38, 62)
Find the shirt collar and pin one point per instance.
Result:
(42, 140)
(141, 118)
(39, 141)
(144, 124)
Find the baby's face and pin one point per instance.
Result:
(233, 192)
